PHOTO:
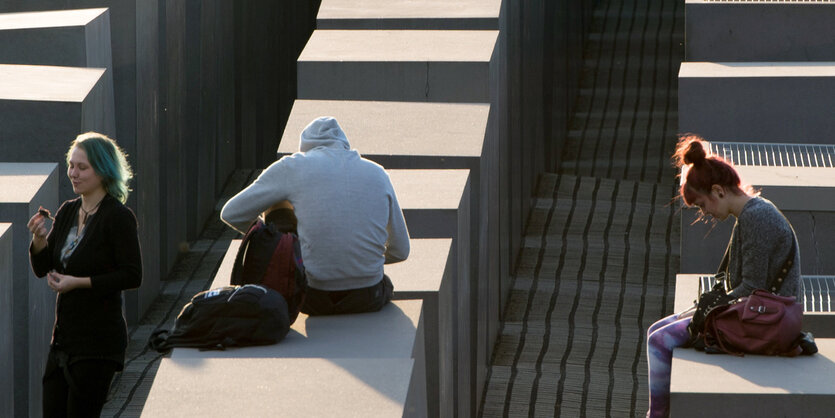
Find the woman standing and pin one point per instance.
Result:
(760, 243)
(88, 257)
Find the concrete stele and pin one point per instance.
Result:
(25, 187)
(424, 276)
(757, 31)
(431, 200)
(758, 102)
(436, 204)
(409, 14)
(430, 274)
(6, 324)
(44, 108)
(292, 387)
(47, 83)
(389, 333)
(73, 38)
(722, 385)
(399, 134)
(398, 65)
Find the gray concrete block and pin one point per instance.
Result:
(404, 65)
(389, 333)
(412, 135)
(436, 205)
(710, 385)
(820, 324)
(758, 102)
(223, 276)
(297, 387)
(269, 37)
(69, 38)
(429, 274)
(399, 134)
(6, 325)
(26, 186)
(803, 194)
(44, 108)
(395, 332)
(759, 31)
(145, 199)
(687, 290)
(409, 14)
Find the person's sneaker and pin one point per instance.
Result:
(807, 343)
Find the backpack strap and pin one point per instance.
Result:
(237, 270)
(162, 341)
(283, 266)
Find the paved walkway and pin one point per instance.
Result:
(601, 246)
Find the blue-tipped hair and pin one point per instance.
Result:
(108, 161)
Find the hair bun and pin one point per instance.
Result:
(690, 150)
(695, 153)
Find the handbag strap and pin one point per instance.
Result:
(777, 282)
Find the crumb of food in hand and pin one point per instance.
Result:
(44, 212)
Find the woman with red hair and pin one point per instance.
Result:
(762, 239)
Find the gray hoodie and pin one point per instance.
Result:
(349, 220)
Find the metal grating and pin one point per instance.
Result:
(776, 155)
(818, 291)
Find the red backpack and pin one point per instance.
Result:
(270, 257)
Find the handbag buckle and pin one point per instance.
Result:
(761, 309)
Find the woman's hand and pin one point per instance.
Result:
(37, 226)
(63, 283)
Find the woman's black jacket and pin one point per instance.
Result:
(89, 322)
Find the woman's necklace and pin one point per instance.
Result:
(86, 215)
(81, 224)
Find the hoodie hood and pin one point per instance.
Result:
(323, 132)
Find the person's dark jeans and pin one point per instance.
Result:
(86, 392)
(366, 299)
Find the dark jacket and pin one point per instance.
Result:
(89, 322)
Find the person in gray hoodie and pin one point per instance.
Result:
(349, 221)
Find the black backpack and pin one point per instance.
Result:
(271, 257)
(230, 316)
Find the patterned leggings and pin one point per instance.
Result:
(662, 337)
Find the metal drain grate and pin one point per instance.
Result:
(818, 291)
(775, 155)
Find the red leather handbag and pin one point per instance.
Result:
(762, 323)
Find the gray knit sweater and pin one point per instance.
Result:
(760, 243)
(349, 220)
